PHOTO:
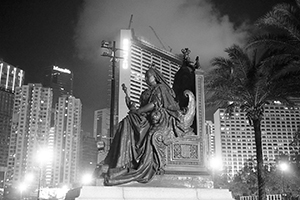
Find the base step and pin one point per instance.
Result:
(151, 193)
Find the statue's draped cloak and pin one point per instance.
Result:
(132, 155)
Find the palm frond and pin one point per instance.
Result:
(284, 42)
(283, 16)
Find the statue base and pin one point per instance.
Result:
(149, 193)
(171, 181)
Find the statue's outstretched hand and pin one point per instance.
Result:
(135, 110)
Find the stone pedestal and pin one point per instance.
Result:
(151, 193)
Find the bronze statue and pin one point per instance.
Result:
(135, 153)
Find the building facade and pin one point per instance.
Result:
(6, 110)
(66, 141)
(29, 133)
(10, 78)
(234, 137)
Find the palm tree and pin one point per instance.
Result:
(285, 18)
(248, 80)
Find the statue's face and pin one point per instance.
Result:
(150, 79)
(155, 117)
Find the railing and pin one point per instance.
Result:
(269, 197)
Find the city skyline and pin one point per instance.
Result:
(35, 35)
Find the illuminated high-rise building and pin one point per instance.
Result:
(60, 80)
(10, 78)
(235, 142)
(29, 133)
(66, 140)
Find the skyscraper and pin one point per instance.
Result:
(30, 129)
(66, 140)
(234, 137)
(10, 78)
(60, 80)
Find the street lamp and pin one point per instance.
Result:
(87, 179)
(283, 167)
(111, 47)
(22, 187)
(43, 155)
(215, 165)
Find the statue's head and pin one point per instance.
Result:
(150, 77)
(155, 117)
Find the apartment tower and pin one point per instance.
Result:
(29, 133)
(234, 137)
(66, 141)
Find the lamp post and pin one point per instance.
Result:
(43, 155)
(22, 187)
(283, 167)
(216, 165)
(39, 184)
(111, 54)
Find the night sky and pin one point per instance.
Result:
(35, 34)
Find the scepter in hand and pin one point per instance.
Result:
(130, 104)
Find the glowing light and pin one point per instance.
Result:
(21, 77)
(29, 177)
(216, 163)
(61, 70)
(126, 48)
(44, 155)
(277, 102)
(22, 187)
(7, 77)
(14, 79)
(284, 166)
(1, 67)
(86, 179)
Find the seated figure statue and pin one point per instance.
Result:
(135, 153)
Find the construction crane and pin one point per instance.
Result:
(159, 39)
(130, 22)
